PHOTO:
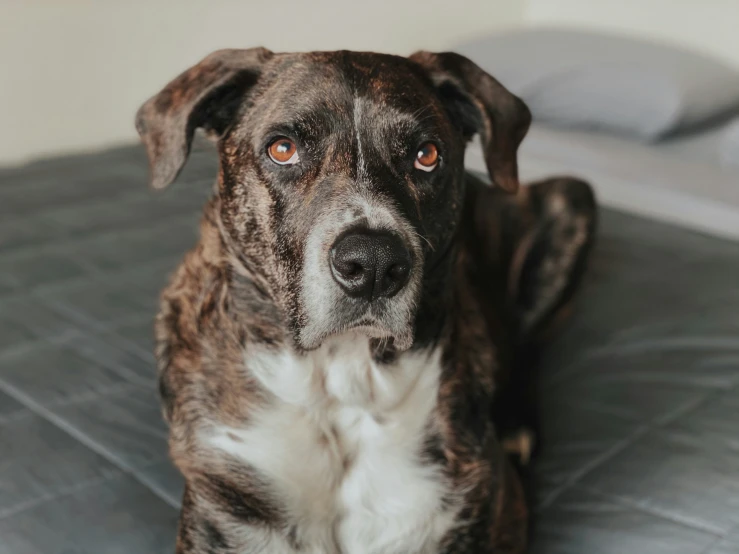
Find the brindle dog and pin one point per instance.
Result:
(346, 355)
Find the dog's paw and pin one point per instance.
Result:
(520, 443)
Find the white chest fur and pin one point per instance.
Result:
(341, 445)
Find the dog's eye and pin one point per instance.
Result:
(427, 157)
(283, 151)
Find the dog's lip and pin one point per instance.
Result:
(371, 328)
(376, 331)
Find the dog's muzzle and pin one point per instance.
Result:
(362, 273)
(370, 264)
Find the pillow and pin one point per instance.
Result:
(729, 146)
(596, 81)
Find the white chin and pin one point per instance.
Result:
(401, 341)
(371, 331)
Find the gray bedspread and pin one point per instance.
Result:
(640, 391)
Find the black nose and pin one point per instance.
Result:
(370, 265)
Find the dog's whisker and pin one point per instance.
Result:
(427, 241)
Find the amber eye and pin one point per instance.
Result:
(283, 151)
(427, 157)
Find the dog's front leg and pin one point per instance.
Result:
(205, 528)
(532, 250)
(495, 515)
(197, 534)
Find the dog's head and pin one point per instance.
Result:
(341, 174)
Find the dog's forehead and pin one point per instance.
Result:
(339, 78)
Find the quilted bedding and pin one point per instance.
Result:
(640, 391)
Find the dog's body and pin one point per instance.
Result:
(320, 401)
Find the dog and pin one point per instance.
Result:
(345, 357)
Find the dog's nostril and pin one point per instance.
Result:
(394, 279)
(352, 270)
(370, 265)
(397, 272)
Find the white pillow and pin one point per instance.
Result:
(628, 86)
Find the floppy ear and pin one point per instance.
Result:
(480, 104)
(207, 95)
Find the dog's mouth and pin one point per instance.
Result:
(384, 321)
(375, 330)
(371, 330)
(369, 326)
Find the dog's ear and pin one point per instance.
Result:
(205, 96)
(480, 104)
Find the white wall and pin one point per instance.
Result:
(710, 26)
(75, 71)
